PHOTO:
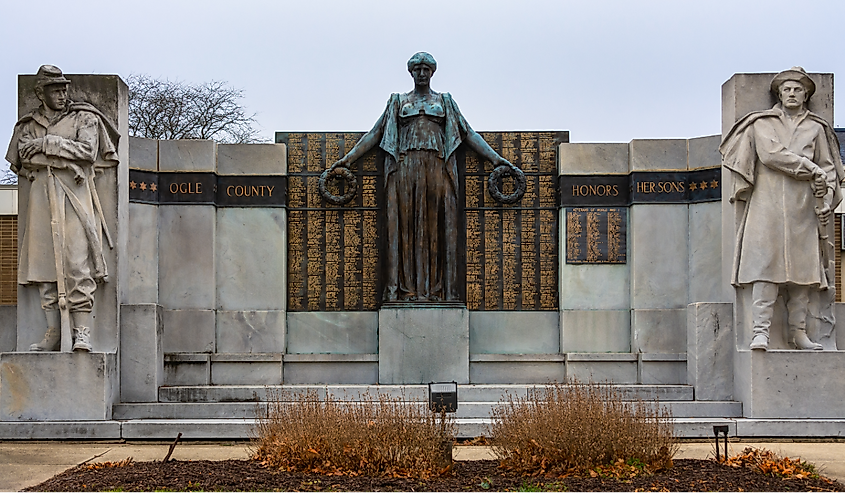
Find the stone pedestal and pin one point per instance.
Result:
(57, 386)
(423, 343)
(790, 384)
(710, 350)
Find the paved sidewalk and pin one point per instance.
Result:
(24, 464)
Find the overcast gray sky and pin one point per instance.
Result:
(607, 71)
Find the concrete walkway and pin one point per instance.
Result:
(24, 464)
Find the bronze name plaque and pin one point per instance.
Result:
(512, 250)
(596, 235)
(335, 251)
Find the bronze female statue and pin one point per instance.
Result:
(419, 132)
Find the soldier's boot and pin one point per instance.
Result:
(797, 307)
(82, 323)
(53, 338)
(801, 341)
(762, 310)
(760, 340)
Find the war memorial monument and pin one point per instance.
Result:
(167, 287)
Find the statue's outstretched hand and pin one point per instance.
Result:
(505, 162)
(340, 163)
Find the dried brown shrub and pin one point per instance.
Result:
(103, 465)
(579, 429)
(379, 436)
(772, 464)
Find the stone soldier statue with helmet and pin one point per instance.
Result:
(57, 146)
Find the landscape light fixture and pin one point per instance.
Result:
(443, 397)
(721, 429)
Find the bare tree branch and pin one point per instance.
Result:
(165, 109)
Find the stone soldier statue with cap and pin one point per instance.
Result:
(58, 147)
(786, 171)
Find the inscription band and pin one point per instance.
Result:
(641, 187)
(205, 188)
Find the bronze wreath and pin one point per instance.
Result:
(493, 184)
(351, 185)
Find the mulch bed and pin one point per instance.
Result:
(247, 475)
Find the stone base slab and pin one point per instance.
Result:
(239, 429)
(60, 430)
(790, 384)
(57, 386)
(421, 345)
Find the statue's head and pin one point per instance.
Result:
(793, 87)
(422, 58)
(422, 67)
(51, 87)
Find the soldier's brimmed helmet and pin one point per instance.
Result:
(49, 75)
(796, 74)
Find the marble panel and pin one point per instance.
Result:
(143, 153)
(246, 372)
(256, 331)
(704, 152)
(251, 258)
(332, 332)
(514, 332)
(57, 386)
(705, 252)
(189, 331)
(331, 373)
(594, 287)
(602, 371)
(659, 331)
(658, 154)
(598, 158)
(141, 354)
(8, 328)
(142, 255)
(187, 373)
(422, 345)
(595, 331)
(659, 259)
(663, 372)
(710, 349)
(252, 159)
(516, 372)
(186, 256)
(187, 155)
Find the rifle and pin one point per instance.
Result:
(56, 227)
(823, 244)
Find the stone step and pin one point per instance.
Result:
(240, 428)
(248, 410)
(466, 393)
